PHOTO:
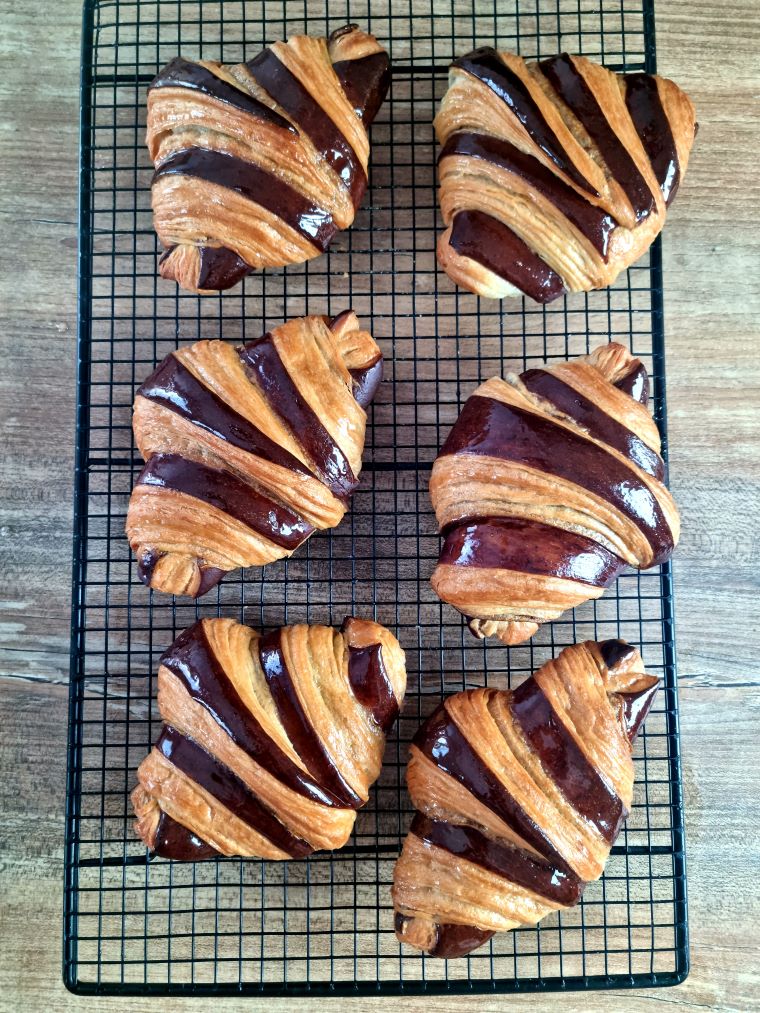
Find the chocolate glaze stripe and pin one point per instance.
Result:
(275, 78)
(173, 386)
(591, 221)
(298, 728)
(227, 788)
(220, 268)
(365, 82)
(599, 424)
(366, 381)
(371, 685)
(172, 840)
(181, 73)
(485, 65)
(493, 244)
(636, 706)
(441, 741)
(511, 862)
(635, 383)
(264, 188)
(571, 87)
(564, 761)
(270, 375)
(458, 940)
(193, 661)
(615, 651)
(527, 546)
(492, 428)
(642, 98)
(228, 493)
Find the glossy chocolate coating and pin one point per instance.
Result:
(591, 221)
(512, 863)
(613, 652)
(598, 423)
(271, 376)
(571, 87)
(636, 706)
(365, 82)
(492, 428)
(173, 386)
(172, 840)
(295, 721)
(220, 268)
(181, 73)
(227, 788)
(441, 741)
(371, 685)
(635, 383)
(485, 65)
(459, 940)
(512, 543)
(275, 78)
(192, 660)
(642, 97)
(366, 382)
(493, 244)
(264, 188)
(564, 761)
(231, 495)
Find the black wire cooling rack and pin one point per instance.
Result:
(325, 925)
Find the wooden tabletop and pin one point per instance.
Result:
(712, 302)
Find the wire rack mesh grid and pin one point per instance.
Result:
(324, 925)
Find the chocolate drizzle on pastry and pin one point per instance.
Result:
(591, 221)
(197, 489)
(264, 751)
(558, 749)
(181, 73)
(571, 86)
(492, 428)
(569, 491)
(313, 223)
(486, 65)
(371, 684)
(561, 184)
(642, 98)
(301, 106)
(481, 237)
(284, 133)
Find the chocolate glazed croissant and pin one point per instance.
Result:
(270, 743)
(548, 485)
(520, 797)
(555, 176)
(260, 164)
(249, 450)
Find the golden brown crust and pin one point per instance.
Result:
(258, 164)
(242, 465)
(548, 484)
(520, 796)
(554, 176)
(269, 745)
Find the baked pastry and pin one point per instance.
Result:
(261, 163)
(555, 176)
(270, 743)
(520, 797)
(548, 485)
(249, 450)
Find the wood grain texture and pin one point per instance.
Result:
(712, 299)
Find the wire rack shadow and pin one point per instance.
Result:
(133, 925)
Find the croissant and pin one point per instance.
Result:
(547, 486)
(249, 450)
(261, 163)
(520, 797)
(554, 176)
(270, 743)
